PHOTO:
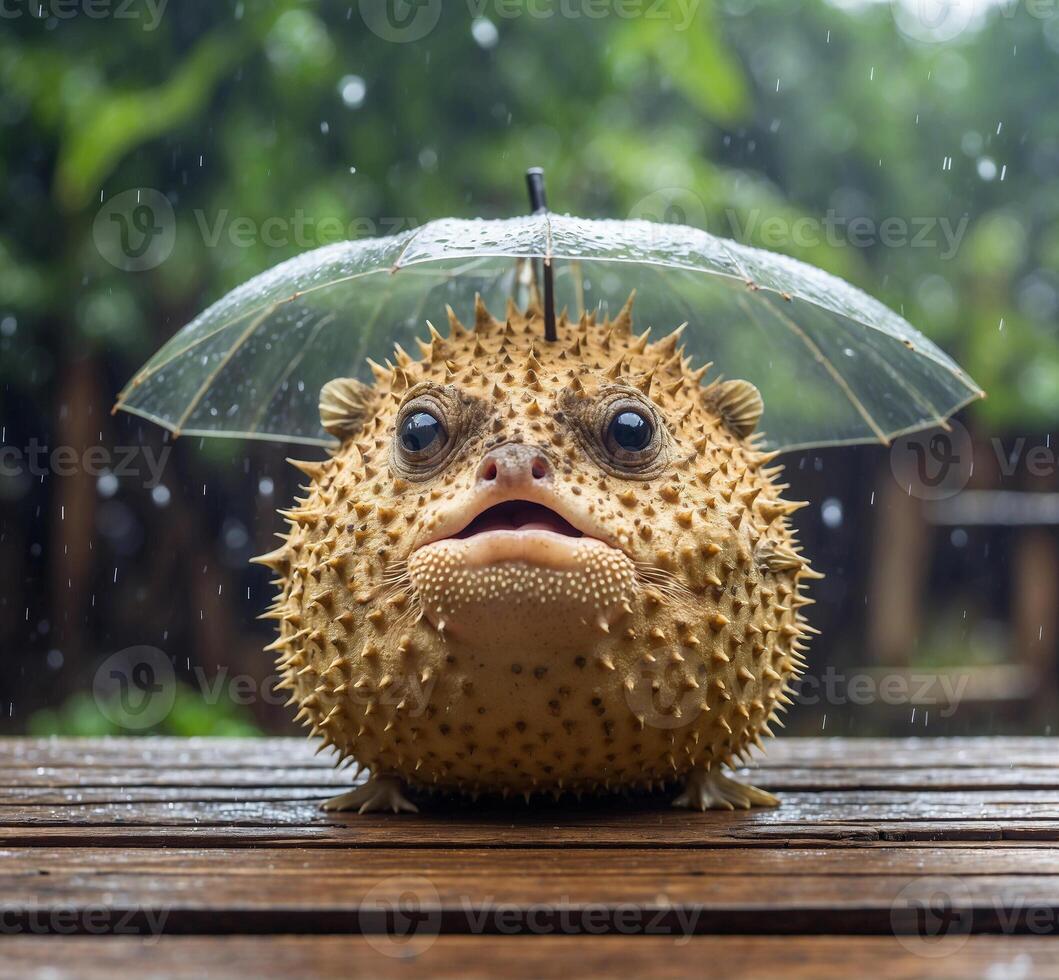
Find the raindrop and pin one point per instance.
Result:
(958, 538)
(484, 32)
(986, 168)
(971, 143)
(265, 486)
(235, 535)
(353, 90)
(160, 495)
(8, 326)
(54, 659)
(428, 158)
(831, 512)
(107, 485)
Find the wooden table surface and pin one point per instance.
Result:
(211, 857)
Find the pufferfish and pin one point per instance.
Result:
(537, 566)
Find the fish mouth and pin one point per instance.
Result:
(528, 517)
(492, 566)
(515, 530)
(518, 516)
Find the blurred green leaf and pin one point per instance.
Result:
(102, 132)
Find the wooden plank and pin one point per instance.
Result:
(916, 803)
(476, 958)
(379, 834)
(467, 891)
(15, 781)
(226, 837)
(235, 862)
(598, 822)
(273, 753)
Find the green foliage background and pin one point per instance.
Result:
(758, 109)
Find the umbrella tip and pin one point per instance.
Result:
(538, 199)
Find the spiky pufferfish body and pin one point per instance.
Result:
(656, 659)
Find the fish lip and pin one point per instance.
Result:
(459, 518)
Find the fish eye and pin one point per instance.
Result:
(629, 432)
(421, 434)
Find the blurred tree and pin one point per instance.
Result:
(723, 114)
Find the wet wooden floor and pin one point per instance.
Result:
(211, 857)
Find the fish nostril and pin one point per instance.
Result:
(488, 471)
(539, 469)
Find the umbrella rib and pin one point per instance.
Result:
(915, 393)
(407, 245)
(243, 337)
(856, 441)
(144, 374)
(821, 358)
(747, 278)
(289, 370)
(579, 287)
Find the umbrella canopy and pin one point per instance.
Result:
(833, 365)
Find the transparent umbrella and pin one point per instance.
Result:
(833, 365)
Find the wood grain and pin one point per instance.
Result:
(518, 958)
(217, 851)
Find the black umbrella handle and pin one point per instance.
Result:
(539, 205)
